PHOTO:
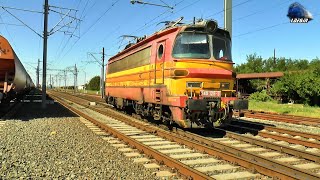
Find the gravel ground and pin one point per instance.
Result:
(53, 144)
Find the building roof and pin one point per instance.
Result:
(260, 75)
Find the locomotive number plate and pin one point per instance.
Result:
(211, 93)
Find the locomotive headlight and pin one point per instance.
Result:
(224, 85)
(180, 72)
(211, 26)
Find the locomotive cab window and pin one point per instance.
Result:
(160, 51)
(191, 45)
(221, 48)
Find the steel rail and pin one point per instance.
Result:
(259, 127)
(285, 115)
(177, 138)
(281, 119)
(295, 133)
(226, 152)
(168, 161)
(281, 138)
(290, 171)
(277, 147)
(266, 127)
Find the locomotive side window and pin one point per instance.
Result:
(137, 59)
(191, 45)
(221, 48)
(160, 51)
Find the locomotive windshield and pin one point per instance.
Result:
(192, 45)
(199, 46)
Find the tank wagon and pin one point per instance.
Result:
(14, 79)
(181, 74)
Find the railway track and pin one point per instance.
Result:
(245, 152)
(286, 137)
(264, 130)
(283, 118)
(281, 134)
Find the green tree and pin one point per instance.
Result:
(94, 83)
(301, 82)
(254, 64)
(302, 86)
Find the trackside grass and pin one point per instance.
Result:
(289, 109)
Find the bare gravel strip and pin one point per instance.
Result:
(42, 146)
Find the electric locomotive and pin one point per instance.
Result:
(181, 74)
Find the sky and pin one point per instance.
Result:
(259, 26)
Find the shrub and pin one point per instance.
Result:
(260, 96)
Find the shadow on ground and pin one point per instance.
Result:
(33, 110)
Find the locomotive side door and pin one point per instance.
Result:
(159, 63)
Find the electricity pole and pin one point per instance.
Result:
(56, 81)
(75, 78)
(101, 63)
(38, 73)
(59, 82)
(50, 85)
(45, 38)
(85, 77)
(65, 80)
(274, 56)
(228, 16)
(102, 75)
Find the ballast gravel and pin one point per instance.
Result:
(38, 145)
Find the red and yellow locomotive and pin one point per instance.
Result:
(181, 74)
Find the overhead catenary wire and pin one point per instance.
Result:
(192, 3)
(22, 22)
(142, 27)
(51, 6)
(19, 9)
(17, 50)
(10, 24)
(239, 4)
(261, 29)
(147, 25)
(65, 14)
(101, 16)
(265, 28)
(90, 27)
(81, 17)
(99, 19)
(94, 3)
(261, 11)
(164, 3)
